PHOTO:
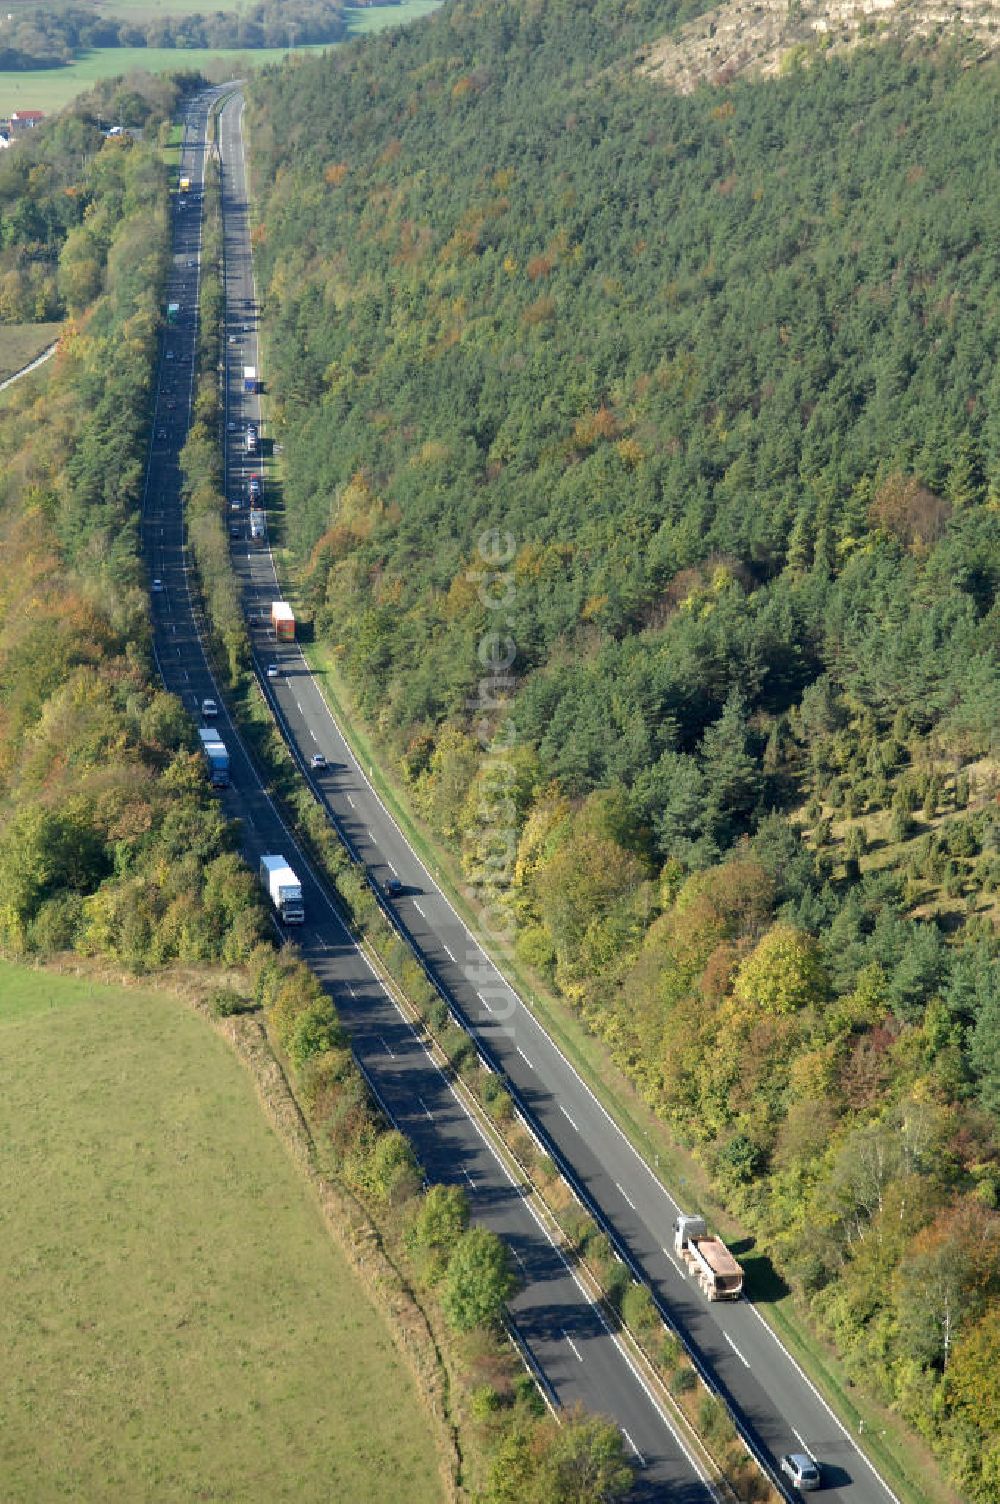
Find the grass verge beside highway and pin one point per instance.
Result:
(175, 1321)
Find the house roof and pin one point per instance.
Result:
(28, 115)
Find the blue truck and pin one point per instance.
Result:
(216, 757)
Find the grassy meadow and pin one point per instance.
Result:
(49, 89)
(20, 343)
(175, 1321)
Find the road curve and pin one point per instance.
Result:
(580, 1360)
(776, 1406)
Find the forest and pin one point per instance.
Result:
(112, 845)
(110, 841)
(49, 36)
(709, 382)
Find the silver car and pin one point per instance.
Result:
(801, 1471)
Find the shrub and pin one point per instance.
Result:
(639, 1311)
(226, 1002)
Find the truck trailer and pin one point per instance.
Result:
(707, 1259)
(216, 757)
(257, 525)
(282, 888)
(250, 379)
(283, 621)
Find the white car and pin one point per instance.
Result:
(209, 709)
(273, 671)
(317, 760)
(157, 587)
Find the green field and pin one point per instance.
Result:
(174, 1319)
(20, 343)
(49, 89)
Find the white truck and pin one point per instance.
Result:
(282, 888)
(707, 1259)
(257, 525)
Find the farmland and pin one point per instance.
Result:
(49, 89)
(176, 1323)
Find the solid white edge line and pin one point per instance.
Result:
(829, 1410)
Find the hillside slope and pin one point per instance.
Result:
(714, 378)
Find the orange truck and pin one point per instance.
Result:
(283, 621)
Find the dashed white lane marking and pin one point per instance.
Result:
(350, 801)
(426, 1108)
(448, 952)
(469, 1178)
(638, 1455)
(525, 1058)
(485, 1002)
(568, 1118)
(576, 1350)
(736, 1350)
(677, 1266)
(802, 1444)
(387, 1047)
(519, 1260)
(419, 907)
(625, 1193)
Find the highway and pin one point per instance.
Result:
(578, 1359)
(773, 1401)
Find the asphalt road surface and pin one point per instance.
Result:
(774, 1403)
(577, 1358)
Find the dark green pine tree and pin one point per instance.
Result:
(733, 777)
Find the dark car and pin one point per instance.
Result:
(235, 530)
(393, 888)
(801, 1470)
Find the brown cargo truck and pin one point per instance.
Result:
(707, 1259)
